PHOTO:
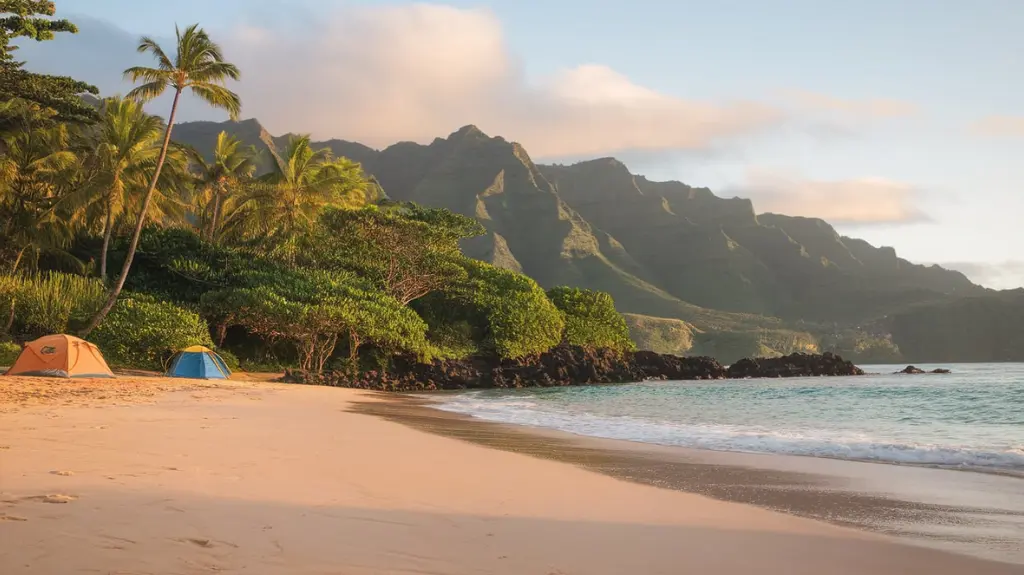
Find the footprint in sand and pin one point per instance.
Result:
(6, 517)
(53, 498)
(63, 473)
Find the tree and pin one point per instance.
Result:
(231, 165)
(285, 205)
(591, 319)
(126, 145)
(199, 67)
(36, 169)
(21, 19)
(409, 251)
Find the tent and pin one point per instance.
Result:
(198, 362)
(60, 356)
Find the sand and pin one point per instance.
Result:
(164, 476)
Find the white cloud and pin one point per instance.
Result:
(854, 201)
(414, 72)
(852, 109)
(999, 126)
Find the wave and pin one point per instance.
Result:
(805, 442)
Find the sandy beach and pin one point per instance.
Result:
(162, 476)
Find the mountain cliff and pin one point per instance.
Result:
(741, 282)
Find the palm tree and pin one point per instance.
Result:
(286, 203)
(127, 145)
(232, 164)
(35, 171)
(199, 67)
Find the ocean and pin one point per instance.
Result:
(970, 419)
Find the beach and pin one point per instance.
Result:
(151, 475)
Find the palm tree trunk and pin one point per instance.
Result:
(108, 230)
(217, 200)
(140, 222)
(14, 297)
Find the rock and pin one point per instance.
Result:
(940, 370)
(793, 365)
(911, 370)
(572, 365)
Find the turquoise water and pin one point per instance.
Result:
(973, 418)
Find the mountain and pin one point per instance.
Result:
(741, 282)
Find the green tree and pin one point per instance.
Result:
(221, 179)
(591, 319)
(520, 319)
(199, 67)
(408, 251)
(35, 171)
(125, 148)
(283, 208)
(31, 19)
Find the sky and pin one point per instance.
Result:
(898, 121)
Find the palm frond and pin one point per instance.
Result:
(218, 97)
(148, 92)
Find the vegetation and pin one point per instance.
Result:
(198, 66)
(9, 352)
(144, 333)
(591, 319)
(31, 19)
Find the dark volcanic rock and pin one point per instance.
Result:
(911, 370)
(571, 365)
(940, 370)
(793, 365)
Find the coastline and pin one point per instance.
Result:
(973, 512)
(168, 476)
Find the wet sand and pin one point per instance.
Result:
(970, 513)
(172, 477)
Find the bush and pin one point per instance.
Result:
(590, 319)
(53, 303)
(520, 318)
(145, 334)
(9, 352)
(230, 359)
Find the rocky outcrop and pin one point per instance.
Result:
(793, 365)
(912, 370)
(572, 365)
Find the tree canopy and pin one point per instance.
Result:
(31, 19)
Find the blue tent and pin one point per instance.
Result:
(198, 362)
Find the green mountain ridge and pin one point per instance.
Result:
(742, 282)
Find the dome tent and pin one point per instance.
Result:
(198, 362)
(60, 356)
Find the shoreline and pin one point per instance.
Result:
(161, 476)
(873, 496)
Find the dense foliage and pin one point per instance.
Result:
(590, 319)
(31, 19)
(308, 265)
(144, 333)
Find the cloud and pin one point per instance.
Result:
(851, 109)
(860, 201)
(1000, 275)
(999, 126)
(380, 74)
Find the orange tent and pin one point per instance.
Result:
(60, 356)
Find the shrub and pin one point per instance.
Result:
(230, 359)
(591, 319)
(144, 334)
(9, 352)
(54, 303)
(520, 318)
